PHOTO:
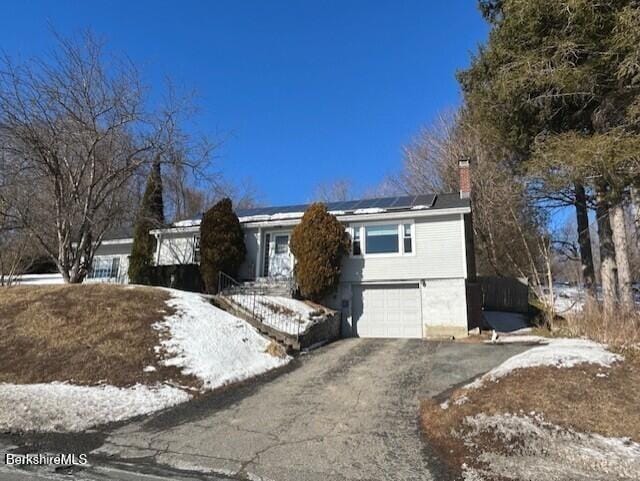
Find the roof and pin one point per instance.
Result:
(375, 205)
(118, 233)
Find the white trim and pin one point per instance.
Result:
(175, 230)
(259, 257)
(110, 242)
(360, 218)
(390, 216)
(464, 247)
(272, 239)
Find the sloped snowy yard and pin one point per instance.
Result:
(198, 338)
(55, 407)
(282, 313)
(212, 344)
(541, 451)
(556, 352)
(564, 410)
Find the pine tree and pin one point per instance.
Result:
(150, 216)
(318, 242)
(222, 246)
(557, 77)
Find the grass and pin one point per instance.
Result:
(586, 398)
(85, 334)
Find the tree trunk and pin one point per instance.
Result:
(607, 252)
(584, 238)
(622, 254)
(635, 210)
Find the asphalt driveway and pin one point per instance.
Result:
(347, 411)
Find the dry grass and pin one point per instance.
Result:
(575, 398)
(276, 350)
(86, 334)
(620, 328)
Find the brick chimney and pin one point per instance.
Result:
(465, 178)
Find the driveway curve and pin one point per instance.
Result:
(348, 411)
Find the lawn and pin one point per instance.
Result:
(72, 357)
(85, 334)
(581, 422)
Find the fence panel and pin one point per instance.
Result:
(509, 294)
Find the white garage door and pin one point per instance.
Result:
(387, 311)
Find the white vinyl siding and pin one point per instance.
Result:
(437, 252)
(176, 249)
(104, 261)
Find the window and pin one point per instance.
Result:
(265, 261)
(196, 249)
(407, 242)
(357, 245)
(381, 239)
(282, 244)
(105, 268)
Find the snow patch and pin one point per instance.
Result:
(187, 223)
(370, 210)
(213, 345)
(282, 313)
(545, 452)
(560, 353)
(420, 207)
(57, 407)
(39, 279)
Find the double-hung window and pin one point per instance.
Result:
(196, 249)
(357, 243)
(105, 268)
(407, 239)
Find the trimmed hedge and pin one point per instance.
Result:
(185, 277)
(222, 246)
(318, 242)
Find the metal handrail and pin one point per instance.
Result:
(255, 302)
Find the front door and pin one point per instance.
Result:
(280, 262)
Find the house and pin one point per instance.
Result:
(406, 275)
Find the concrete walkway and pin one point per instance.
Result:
(348, 411)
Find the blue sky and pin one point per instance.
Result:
(302, 92)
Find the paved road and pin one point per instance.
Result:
(348, 411)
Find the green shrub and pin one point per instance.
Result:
(150, 216)
(222, 246)
(318, 243)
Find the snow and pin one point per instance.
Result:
(515, 339)
(187, 223)
(561, 353)
(212, 344)
(39, 279)
(420, 207)
(295, 317)
(57, 407)
(370, 210)
(276, 216)
(537, 449)
(201, 340)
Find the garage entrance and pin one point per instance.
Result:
(387, 311)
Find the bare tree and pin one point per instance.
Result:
(76, 129)
(333, 191)
(503, 214)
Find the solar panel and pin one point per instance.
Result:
(389, 203)
(386, 202)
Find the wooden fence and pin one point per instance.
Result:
(509, 294)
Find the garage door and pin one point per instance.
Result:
(387, 311)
